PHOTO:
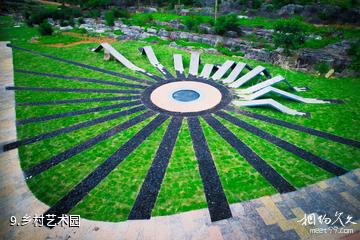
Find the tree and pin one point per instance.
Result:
(110, 18)
(288, 34)
(227, 23)
(45, 28)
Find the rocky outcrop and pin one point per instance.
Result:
(335, 55)
(290, 10)
(315, 13)
(174, 24)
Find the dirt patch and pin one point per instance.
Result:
(54, 3)
(84, 39)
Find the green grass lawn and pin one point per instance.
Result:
(182, 188)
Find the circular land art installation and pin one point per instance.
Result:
(212, 100)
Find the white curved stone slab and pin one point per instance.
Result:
(154, 61)
(261, 85)
(235, 72)
(178, 65)
(253, 73)
(271, 103)
(291, 96)
(194, 63)
(222, 70)
(206, 72)
(118, 56)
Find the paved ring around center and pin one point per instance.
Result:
(213, 97)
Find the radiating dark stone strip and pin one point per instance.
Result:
(77, 112)
(53, 161)
(84, 65)
(318, 161)
(274, 178)
(92, 90)
(149, 191)
(79, 100)
(150, 75)
(73, 197)
(296, 127)
(71, 128)
(82, 79)
(217, 202)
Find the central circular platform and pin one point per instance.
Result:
(186, 97)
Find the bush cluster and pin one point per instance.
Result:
(227, 23)
(322, 67)
(45, 29)
(113, 14)
(288, 34)
(354, 53)
(192, 22)
(62, 13)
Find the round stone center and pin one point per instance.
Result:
(185, 95)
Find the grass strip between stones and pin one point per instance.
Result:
(53, 161)
(92, 90)
(84, 65)
(79, 100)
(280, 183)
(318, 161)
(78, 112)
(71, 128)
(296, 127)
(150, 188)
(81, 79)
(70, 200)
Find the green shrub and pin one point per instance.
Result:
(109, 18)
(191, 24)
(354, 53)
(94, 13)
(288, 34)
(81, 21)
(78, 30)
(322, 67)
(36, 17)
(227, 23)
(63, 23)
(228, 52)
(121, 13)
(143, 19)
(118, 32)
(45, 29)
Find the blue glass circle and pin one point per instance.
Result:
(185, 95)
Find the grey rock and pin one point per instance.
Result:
(150, 10)
(145, 35)
(66, 28)
(184, 12)
(163, 33)
(211, 51)
(151, 30)
(137, 28)
(206, 28)
(173, 45)
(118, 23)
(290, 10)
(231, 34)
